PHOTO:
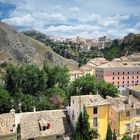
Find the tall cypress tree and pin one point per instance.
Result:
(109, 133)
(114, 135)
(83, 130)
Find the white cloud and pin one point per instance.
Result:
(75, 9)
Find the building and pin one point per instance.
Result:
(8, 126)
(74, 74)
(121, 74)
(97, 108)
(133, 90)
(124, 116)
(103, 42)
(44, 125)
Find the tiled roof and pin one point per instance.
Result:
(115, 64)
(34, 124)
(124, 103)
(135, 88)
(92, 100)
(7, 124)
(73, 72)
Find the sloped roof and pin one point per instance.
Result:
(7, 123)
(30, 123)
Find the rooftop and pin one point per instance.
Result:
(124, 103)
(43, 124)
(92, 100)
(135, 88)
(115, 64)
(73, 72)
(7, 124)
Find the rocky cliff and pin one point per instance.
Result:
(18, 48)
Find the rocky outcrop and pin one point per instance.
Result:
(18, 48)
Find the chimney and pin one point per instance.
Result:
(12, 111)
(48, 126)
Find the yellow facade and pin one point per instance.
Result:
(128, 120)
(8, 137)
(102, 118)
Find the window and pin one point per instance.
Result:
(123, 82)
(112, 82)
(59, 137)
(123, 77)
(118, 73)
(73, 101)
(128, 72)
(137, 72)
(127, 127)
(132, 81)
(132, 77)
(95, 122)
(118, 82)
(127, 113)
(73, 116)
(95, 110)
(113, 73)
(127, 82)
(113, 78)
(128, 77)
(133, 72)
(123, 72)
(118, 77)
(137, 77)
(138, 111)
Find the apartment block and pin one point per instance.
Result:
(121, 74)
(124, 116)
(97, 108)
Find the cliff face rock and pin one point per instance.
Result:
(18, 48)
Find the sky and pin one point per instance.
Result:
(72, 18)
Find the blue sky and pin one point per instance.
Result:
(71, 18)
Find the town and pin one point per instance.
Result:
(69, 70)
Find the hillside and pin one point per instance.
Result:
(18, 48)
(69, 50)
(128, 46)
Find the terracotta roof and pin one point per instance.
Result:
(7, 124)
(42, 124)
(115, 64)
(73, 72)
(92, 100)
(135, 88)
(124, 103)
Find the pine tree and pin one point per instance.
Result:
(114, 135)
(109, 133)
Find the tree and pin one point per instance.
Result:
(107, 89)
(114, 135)
(27, 103)
(44, 103)
(84, 86)
(59, 76)
(83, 130)
(59, 95)
(34, 80)
(126, 137)
(5, 100)
(13, 78)
(109, 133)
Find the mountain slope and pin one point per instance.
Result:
(18, 48)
